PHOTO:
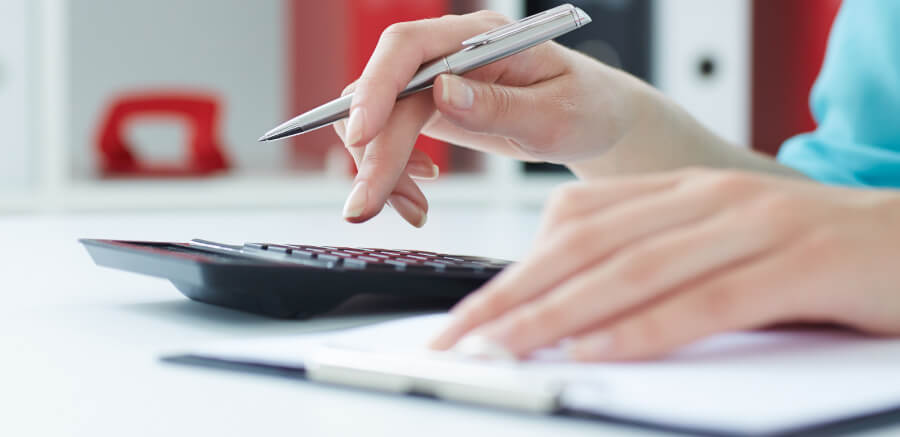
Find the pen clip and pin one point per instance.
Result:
(521, 25)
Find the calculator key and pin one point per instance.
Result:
(389, 253)
(437, 266)
(408, 261)
(278, 248)
(327, 257)
(300, 253)
(418, 257)
(353, 251)
(257, 246)
(351, 263)
(473, 266)
(369, 258)
(400, 265)
(378, 255)
(341, 254)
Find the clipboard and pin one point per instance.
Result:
(740, 384)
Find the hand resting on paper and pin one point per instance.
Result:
(632, 268)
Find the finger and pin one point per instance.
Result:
(747, 296)
(632, 277)
(506, 110)
(406, 197)
(402, 48)
(444, 130)
(579, 245)
(575, 200)
(420, 166)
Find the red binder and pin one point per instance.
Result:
(789, 40)
(366, 20)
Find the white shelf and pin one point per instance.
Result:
(282, 191)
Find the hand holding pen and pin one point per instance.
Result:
(492, 109)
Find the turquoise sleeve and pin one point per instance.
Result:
(855, 102)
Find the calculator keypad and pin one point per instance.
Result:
(372, 258)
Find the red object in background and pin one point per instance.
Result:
(317, 69)
(367, 19)
(199, 111)
(789, 41)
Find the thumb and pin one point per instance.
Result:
(512, 112)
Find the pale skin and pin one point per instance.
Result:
(642, 255)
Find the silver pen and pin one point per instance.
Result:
(478, 51)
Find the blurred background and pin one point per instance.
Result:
(139, 104)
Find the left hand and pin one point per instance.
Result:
(634, 267)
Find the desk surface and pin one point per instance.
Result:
(80, 343)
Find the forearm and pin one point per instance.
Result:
(665, 137)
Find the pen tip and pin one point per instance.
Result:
(263, 138)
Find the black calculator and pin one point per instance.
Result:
(296, 280)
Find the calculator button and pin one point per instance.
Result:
(437, 266)
(326, 257)
(354, 263)
(300, 253)
(341, 254)
(400, 265)
(278, 248)
(418, 257)
(257, 246)
(368, 258)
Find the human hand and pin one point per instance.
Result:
(547, 103)
(635, 267)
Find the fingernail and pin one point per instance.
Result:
(456, 92)
(356, 202)
(408, 210)
(592, 347)
(420, 170)
(355, 126)
(479, 346)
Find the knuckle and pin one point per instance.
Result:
(496, 301)
(502, 101)
(566, 195)
(731, 182)
(638, 269)
(530, 320)
(825, 244)
(492, 17)
(400, 31)
(643, 334)
(721, 302)
(572, 238)
(769, 211)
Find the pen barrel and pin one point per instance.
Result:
(424, 78)
(483, 54)
(339, 108)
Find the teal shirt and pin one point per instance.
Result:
(856, 102)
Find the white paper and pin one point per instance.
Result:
(746, 383)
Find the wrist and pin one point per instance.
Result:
(641, 116)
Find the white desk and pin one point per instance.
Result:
(80, 344)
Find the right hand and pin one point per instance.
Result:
(547, 103)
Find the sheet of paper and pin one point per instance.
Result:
(745, 383)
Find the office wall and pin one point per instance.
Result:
(15, 145)
(232, 48)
